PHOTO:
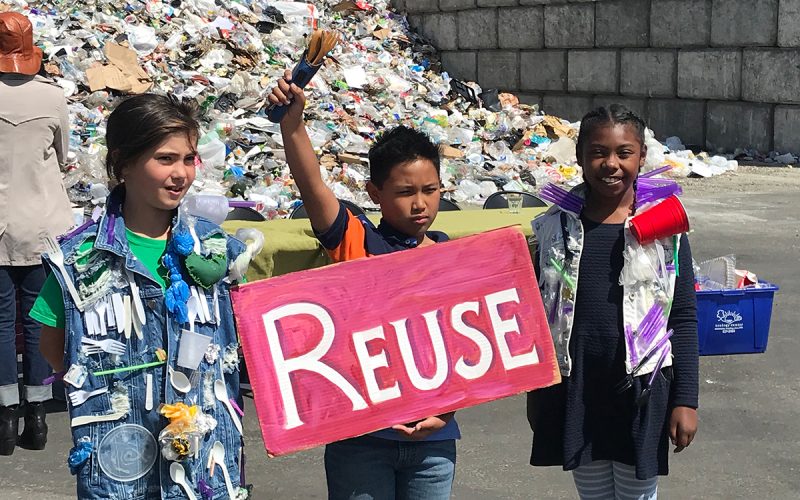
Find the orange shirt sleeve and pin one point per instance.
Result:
(345, 239)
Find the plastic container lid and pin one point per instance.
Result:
(127, 453)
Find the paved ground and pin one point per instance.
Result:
(747, 446)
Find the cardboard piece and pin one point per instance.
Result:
(351, 158)
(450, 152)
(556, 128)
(123, 73)
(382, 34)
(356, 347)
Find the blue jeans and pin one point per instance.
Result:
(28, 280)
(370, 468)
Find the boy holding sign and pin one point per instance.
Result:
(414, 460)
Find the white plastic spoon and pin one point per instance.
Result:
(222, 395)
(179, 381)
(178, 475)
(191, 311)
(218, 452)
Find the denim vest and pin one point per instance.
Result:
(557, 227)
(160, 331)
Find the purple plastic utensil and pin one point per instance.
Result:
(561, 197)
(242, 204)
(653, 173)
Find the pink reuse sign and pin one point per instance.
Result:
(348, 349)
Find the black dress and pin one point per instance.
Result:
(583, 419)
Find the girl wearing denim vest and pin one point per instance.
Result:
(139, 316)
(623, 320)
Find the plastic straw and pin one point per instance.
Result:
(242, 204)
(659, 170)
(128, 368)
(675, 255)
(653, 349)
(567, 278)
(561, 194)
(96, 213)
(562, 203)
(235, 406)
(52, 378)
(631, 344)
(561, 198)
(650, 190)
(659, 364)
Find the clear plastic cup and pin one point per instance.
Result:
(514, 202)
(191, 349)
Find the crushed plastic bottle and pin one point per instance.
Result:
(227, 54)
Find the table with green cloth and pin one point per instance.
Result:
(290, 244)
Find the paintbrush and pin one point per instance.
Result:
(319, 46)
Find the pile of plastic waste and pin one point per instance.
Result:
(227, 54)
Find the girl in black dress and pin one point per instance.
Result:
(599, 422)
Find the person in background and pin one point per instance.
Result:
(34, 140)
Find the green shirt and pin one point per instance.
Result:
(49, 306)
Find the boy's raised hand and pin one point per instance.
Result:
(320, 203)
(288, 94)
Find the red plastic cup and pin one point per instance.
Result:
(666, 219)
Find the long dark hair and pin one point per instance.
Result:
(614, 114)
(142, 122)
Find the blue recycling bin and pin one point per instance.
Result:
(734, 321)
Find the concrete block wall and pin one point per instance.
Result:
(720, 74)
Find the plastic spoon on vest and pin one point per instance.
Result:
(179, 380)
(178, 475)
(222, 395)
(191, 312)
(218, 452)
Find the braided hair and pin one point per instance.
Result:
(614, 114)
